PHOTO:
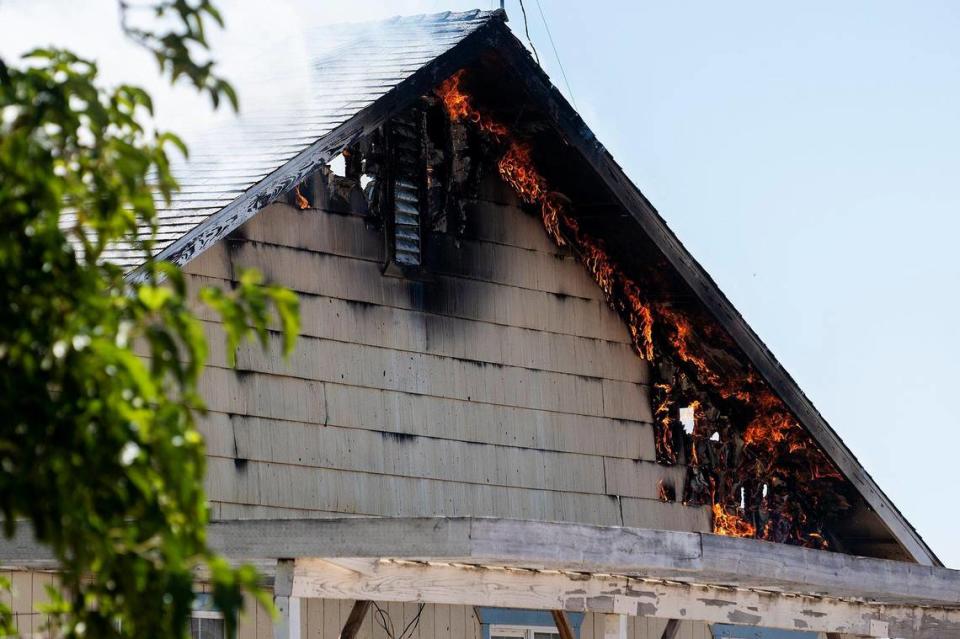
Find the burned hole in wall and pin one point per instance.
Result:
(413, 177)
(746, 456)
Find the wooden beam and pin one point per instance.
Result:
(392, 580)
(563, 624)
(357, 614)
(675, 555)
(679, 556)
(670, 631)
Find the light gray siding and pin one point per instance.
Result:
(504, 386)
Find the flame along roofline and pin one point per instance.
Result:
(578, 134)
(494, 34)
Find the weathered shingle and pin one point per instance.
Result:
(351, 66)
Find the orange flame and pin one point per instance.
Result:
(731, 525)
(302, 202)
(771, 431)
(459, 107)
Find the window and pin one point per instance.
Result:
(515, 623)
(206, 622)
(524, 632)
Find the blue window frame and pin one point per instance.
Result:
(515, 619)
(724, 631)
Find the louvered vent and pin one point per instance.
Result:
(405, 141)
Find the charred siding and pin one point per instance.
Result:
(503, 386)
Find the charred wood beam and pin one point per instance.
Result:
(355, 619)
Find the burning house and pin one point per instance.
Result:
(519, 406)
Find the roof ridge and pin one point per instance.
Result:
(425, 18)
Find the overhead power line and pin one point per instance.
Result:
(526, 29)
(553, 45)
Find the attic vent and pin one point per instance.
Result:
(406, 197)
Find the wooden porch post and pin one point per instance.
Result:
(614, 626)
(287, 624)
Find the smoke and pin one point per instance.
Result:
(264, 50)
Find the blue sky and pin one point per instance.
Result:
(807, 154)
(809, 160)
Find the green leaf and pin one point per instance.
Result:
(153, 297)
(100, 387)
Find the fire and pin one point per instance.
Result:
(459, 107)
(731, 525)
(302, 202)
(772, 438)
(772, 424)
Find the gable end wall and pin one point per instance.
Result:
(504, 386)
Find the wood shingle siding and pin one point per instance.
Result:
(371, 451)
(323, 619)
(503, 386)
(292, 399)
(361, 281)
(421, 332)
(305, 488)
(446, 377)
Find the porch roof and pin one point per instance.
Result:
(566, 566)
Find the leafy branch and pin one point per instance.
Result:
(99, 449)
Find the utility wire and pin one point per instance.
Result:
(554, 47)
(526, 29)
(382, 618)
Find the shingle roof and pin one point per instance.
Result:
(351, 66)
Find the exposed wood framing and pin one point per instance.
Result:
(445, 583)
(555, 566)
(564, 546)
(563, 624)
(576, 133)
